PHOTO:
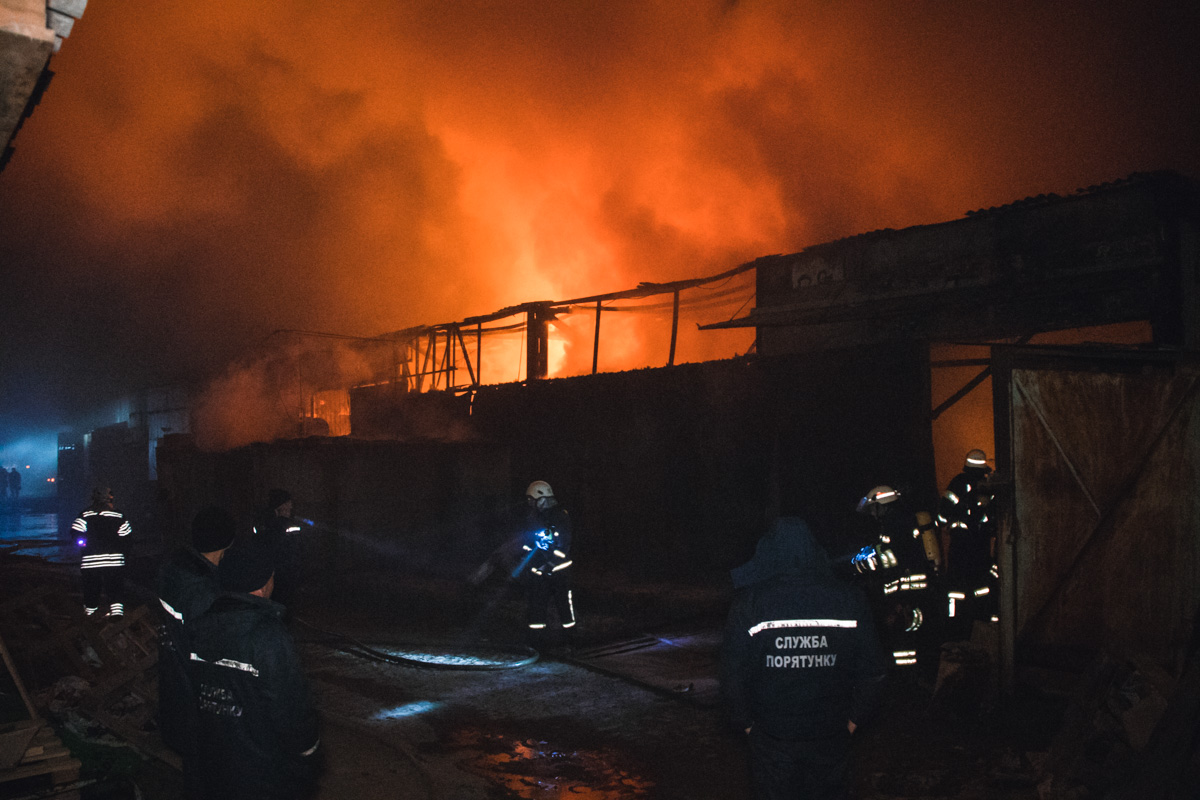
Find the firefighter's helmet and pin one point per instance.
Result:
(879, 496)
(976, 459)
(539, 489)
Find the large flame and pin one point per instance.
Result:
(371, 165)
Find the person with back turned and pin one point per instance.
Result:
(187, 586)
(102, 533)
(801, 667)
(257, 733)
(276, 528)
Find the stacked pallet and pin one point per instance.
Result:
(41, 762)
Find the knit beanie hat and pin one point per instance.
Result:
(277, 497)
(246, 567)
(212, 529)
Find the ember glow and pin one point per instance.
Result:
(368, 166)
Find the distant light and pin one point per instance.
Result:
(81, 542)
(26, 466)
(407, 710)
(49, 480)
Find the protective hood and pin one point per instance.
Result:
(790, 549)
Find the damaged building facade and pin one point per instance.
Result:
(672, 472)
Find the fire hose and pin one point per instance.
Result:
(467, 657)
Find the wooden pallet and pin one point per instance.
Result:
(46, 756)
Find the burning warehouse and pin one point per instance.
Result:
(672, 472)
(238, 201)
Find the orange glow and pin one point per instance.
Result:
(968, 423)
(537, 770)
(374, 165)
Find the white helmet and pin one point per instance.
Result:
(882, 495)
(539, 489)
(879, 496)
(976, 459)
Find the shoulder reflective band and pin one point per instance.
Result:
(170, 610)
(79, 525)
(775, 624)
(229, 662)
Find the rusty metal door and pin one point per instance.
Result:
(1102, 537)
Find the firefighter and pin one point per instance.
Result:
(545, 569)
(103, 534)
(257, 730)
(275, 527)
(187, 586)
(969, 546)
(801, 667)
(903, 577)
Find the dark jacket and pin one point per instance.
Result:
(103, 532)
(800, 657)
(257, 730)
(964, 511)
(187, 586)
(546, 542)
(280, 534)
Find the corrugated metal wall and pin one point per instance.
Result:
(666, 471)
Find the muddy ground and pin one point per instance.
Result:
(569, 726)
(629, 712)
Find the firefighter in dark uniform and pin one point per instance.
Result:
(902, 575)
(801, 667)
(187, 586)
(276, 528)
(103, 534)
(970, 546)
(545, 569)
(257, 733)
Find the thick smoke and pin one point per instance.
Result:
(197, 178)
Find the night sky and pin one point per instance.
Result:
(200, 175)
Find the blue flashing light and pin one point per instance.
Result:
(543, 539)
(81, 542)
(865, 559)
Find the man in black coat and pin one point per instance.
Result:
(275, 527)
(187, 586)
(801, 666)
(257, 734)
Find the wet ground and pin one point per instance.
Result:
(629, 712)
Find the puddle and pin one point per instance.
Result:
(536, 770)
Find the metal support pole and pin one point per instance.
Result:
(478, 353)
(674, 328)
(596, 341)
(466, 356)
(537, 343)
